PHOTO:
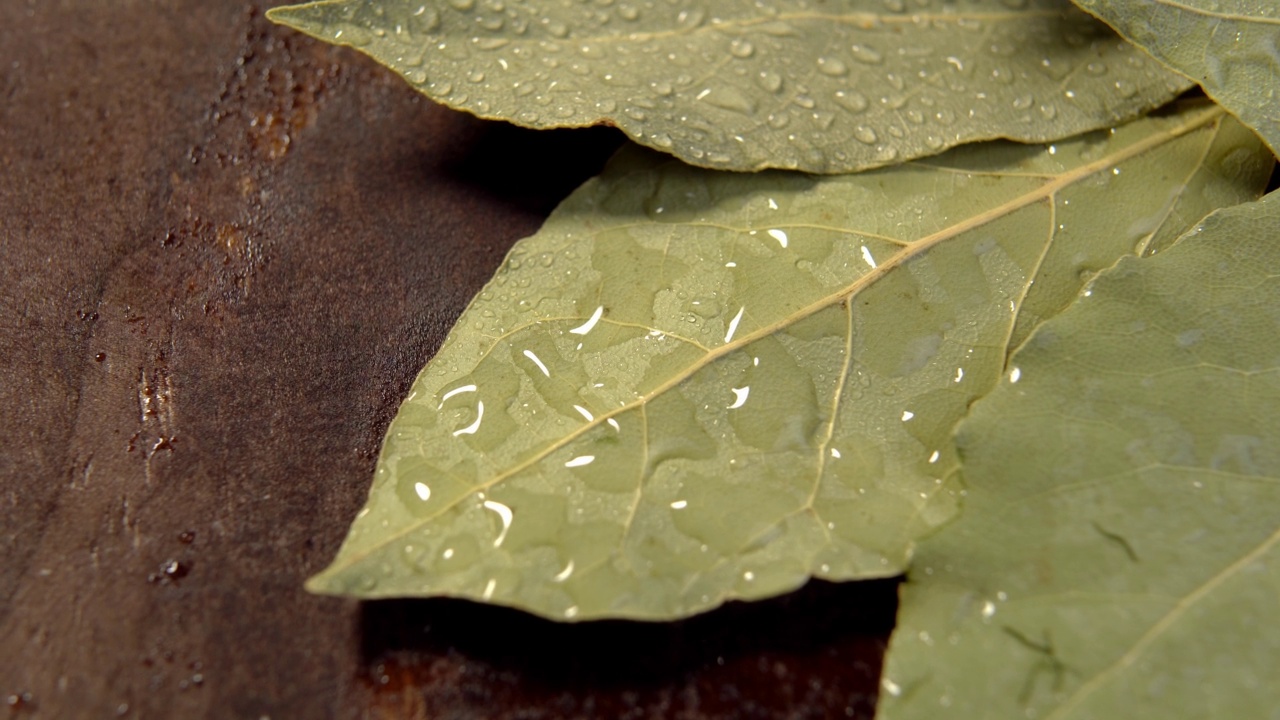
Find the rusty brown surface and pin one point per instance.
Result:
(225, 251)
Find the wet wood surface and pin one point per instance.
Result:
(225, 252)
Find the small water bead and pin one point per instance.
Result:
(851, 100)
(864, 134)
(770, 81)
(741, 48)
(462, 5)
(492, 23)
(1048, 111)
(1126, 88)
(555, 29)
(628, 12)
(425, 19)
(417, 77)
(804, 101)
(866, 54)
(635, 114)
(1022, 102)
(1096, 68)
(475, 76)
(663, 89)
(933, 142)
(832, 67)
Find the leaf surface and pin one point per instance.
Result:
(692, 386)
(738, 85)
(1231, 47)
(1117, 554)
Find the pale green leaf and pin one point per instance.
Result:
(1230, 47)
(1117, 554)
(692, 386)
(739, 85)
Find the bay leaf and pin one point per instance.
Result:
(1119, 551)
(692, 386)
(1231, 47)
(742, 86)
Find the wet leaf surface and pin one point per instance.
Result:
(693, 386)
(1118, 552)
(734, 85)
(1231, 48)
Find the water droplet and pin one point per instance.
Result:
(777, 121)
(662, 140)
(663, 88)
(728, 98)
(915, 116)
(425, 19)
(803, 101)
(555, 29)
(1048, 111)
(1126, 88)
(741, 48)
(1022, 102)
(462, 5)
(895, 6)
(864, 134)
(635, 114)
(770, 81)
(1096, 68)
(416, 77)
(628, 12)
(933, 142)
(944, 117)
(832, 67)
(475, 76)
(866, 54)
(851, 100)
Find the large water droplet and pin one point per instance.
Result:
(866, 54)
(832, 67)
(741, 48)
(729, 98)
(770, 81)
(851, 100)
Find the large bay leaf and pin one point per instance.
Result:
(691, 385)
(1230, 47)
(744, 85)
(1119, 551)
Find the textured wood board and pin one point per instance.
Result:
(225, 251)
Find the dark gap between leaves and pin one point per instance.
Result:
(815, 653)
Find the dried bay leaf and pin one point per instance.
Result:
(734, 85)
(1119, 550)
(692, 386)
(1231, 47)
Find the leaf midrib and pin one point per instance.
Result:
(1048, 190)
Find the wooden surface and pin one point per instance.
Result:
(225, 252)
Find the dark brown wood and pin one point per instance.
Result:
(225, 252)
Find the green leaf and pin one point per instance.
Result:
(692, 386)
(1230, 47)
(740, 86)
(1117, 555)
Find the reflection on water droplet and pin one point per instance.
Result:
(934, 457)
(473, 427)
(679, 504)
(580, 461)
(740, 397)
(537, 361)
(504, 514)
(565, 573)
(866, 256)
(780, 236)
(988, 610)
(907, 415)
(733, 324)
(1015, 375)
(424, 492)
(584, 413)
(489, 588)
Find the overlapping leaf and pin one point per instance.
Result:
(742, 85)
(1119, 551)
(691, 386)
(1231, 47)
